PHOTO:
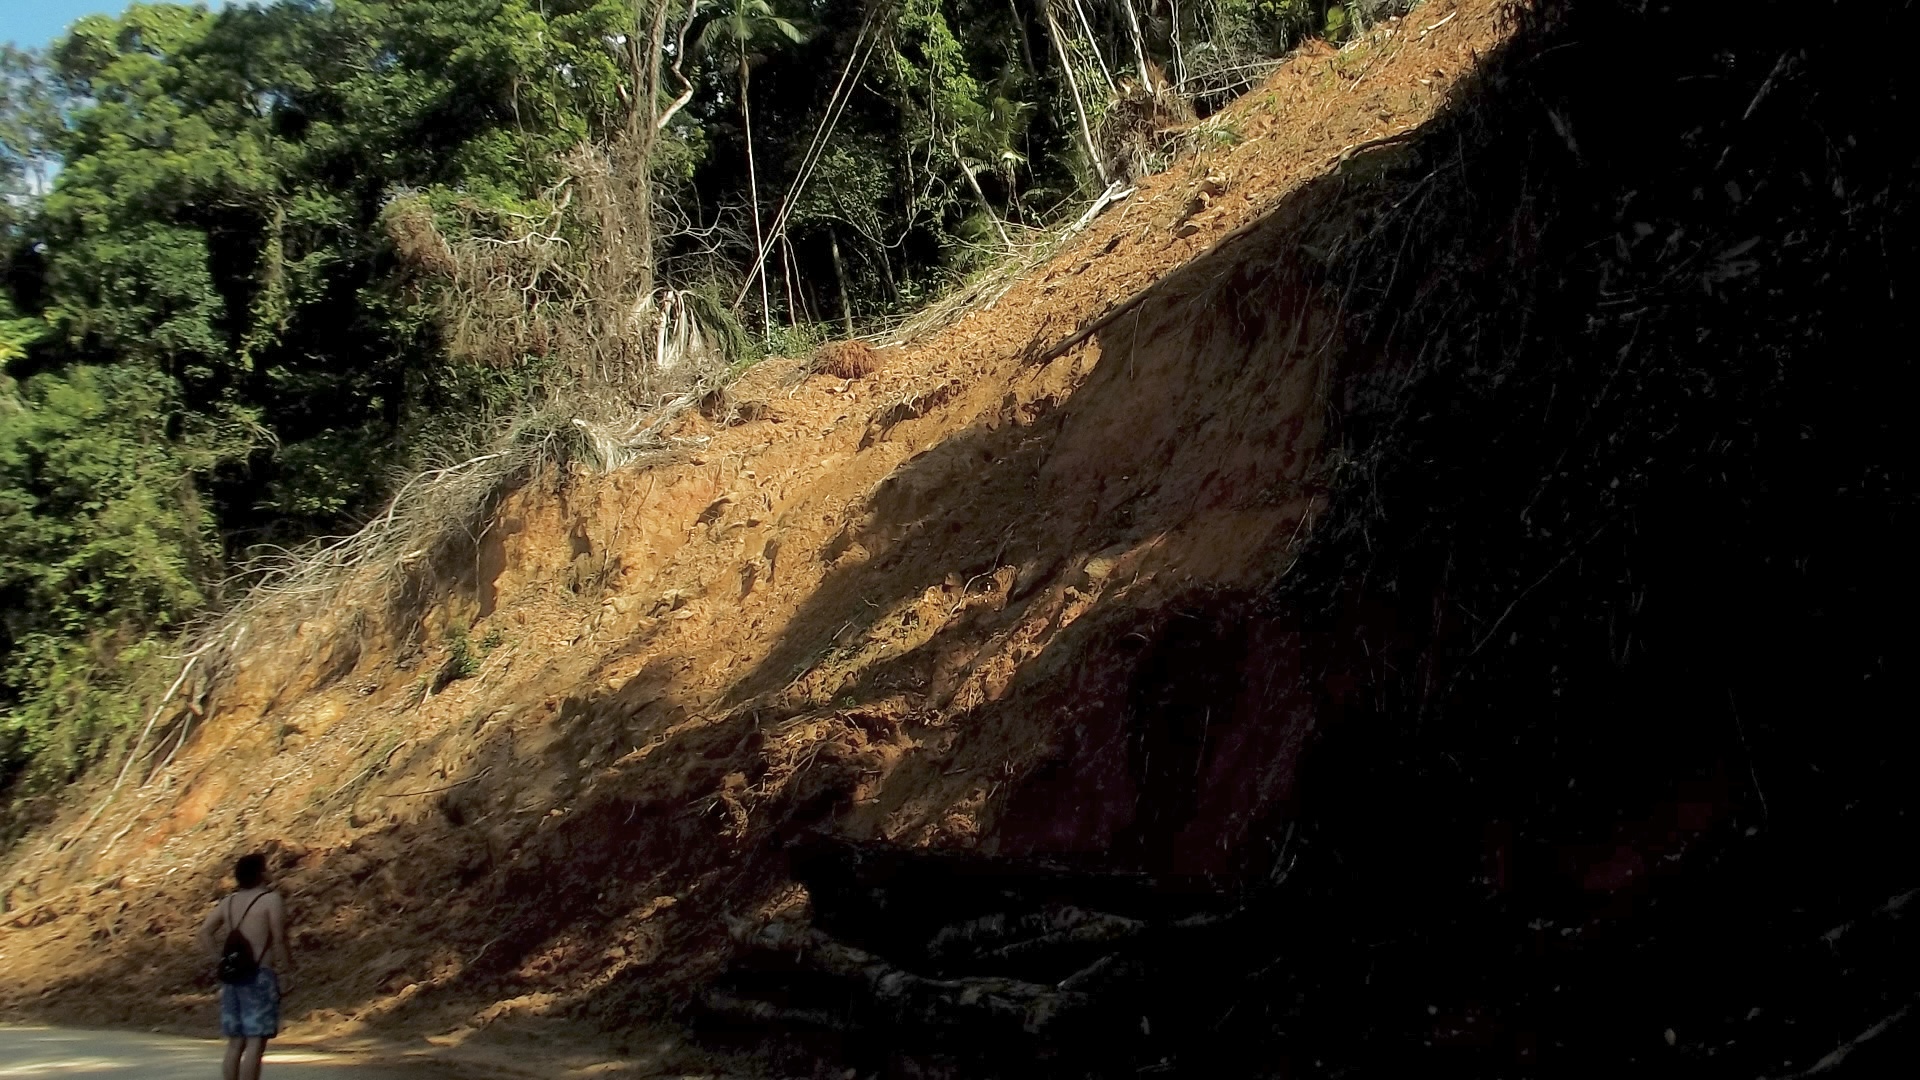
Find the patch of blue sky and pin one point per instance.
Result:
(30, 24)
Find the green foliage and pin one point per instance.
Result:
(217, 218)
(1230, 36)
(230, 242)
(797, 339)
(464, 655)
(226, 342)
(17, 335)
(849, 188)
(104, 544)
(1279, 22)
(1339, 24)
(98, 516)
(943, 104)
(927, 55)
(718, 319)
(742, 25)
(463, 658)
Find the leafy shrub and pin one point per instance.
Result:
(103, 545)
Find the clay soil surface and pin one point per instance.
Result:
(906, 605)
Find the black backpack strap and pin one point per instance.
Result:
(249, 909)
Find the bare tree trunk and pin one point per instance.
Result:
(786, 279)
(644, 128)
(1139, 45)
(1073, 84)
(886, 269)
(967, 168)
(1094, 44)
(622, 266)
(840, 275)
(1179, 56)
(753, 193)
(616, 203)
(679, 57)
(1026, 46)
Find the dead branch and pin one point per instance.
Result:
(1845, 1050)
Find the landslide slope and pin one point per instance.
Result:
(1433, 563)
(894, 606)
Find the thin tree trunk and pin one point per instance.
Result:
(1094, 44)
(643, 126)
(651, 84)
(786, 278)
(1026, 46)
(753, 193)
(840, 275)
(1073, 84)
(886, 270)
(1139, 46)
(967, 168)
(1179, 57)
(622, 274)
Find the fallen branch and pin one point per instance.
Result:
(1115, 192)
(357, 777)
(1833, 1060)
(903, 997)
(755, 1011)
(1894, 908)
(447, 787)
(135, 752)
(185, 727)
(1000, 936)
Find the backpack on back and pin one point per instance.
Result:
(238, 965)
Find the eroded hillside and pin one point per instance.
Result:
(1371, 580)
(909, 606)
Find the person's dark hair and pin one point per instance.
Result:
(250, 870)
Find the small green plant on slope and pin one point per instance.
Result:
(465, 655)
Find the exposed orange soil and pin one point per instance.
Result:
(915, 605)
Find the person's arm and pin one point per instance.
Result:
(277, 927)
(210, 927)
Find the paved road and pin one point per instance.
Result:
(35, 1052)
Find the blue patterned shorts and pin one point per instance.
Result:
(251, 1010)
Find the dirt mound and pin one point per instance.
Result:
(846, 359)
(1340, 434)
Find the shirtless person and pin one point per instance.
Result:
(250, 1012)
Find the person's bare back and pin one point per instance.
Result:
(250, 1009)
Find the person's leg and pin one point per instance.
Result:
(230, 1068)
(250, 1059)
